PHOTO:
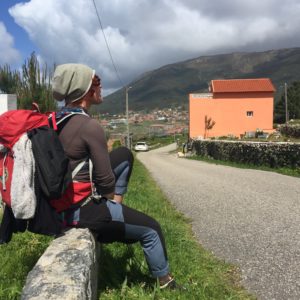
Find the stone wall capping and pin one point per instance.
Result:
(67, 270)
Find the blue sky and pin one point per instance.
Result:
(21, 39)
(142, 34)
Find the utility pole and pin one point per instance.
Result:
(127, 117)
(286, 103)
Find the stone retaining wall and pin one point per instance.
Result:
(67, 270)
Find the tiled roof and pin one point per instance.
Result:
(242, 85)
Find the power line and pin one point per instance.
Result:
(111, 58)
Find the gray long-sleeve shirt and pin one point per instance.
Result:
(82, 138)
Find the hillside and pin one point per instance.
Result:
(170, 85)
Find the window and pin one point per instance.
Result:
(250, 113)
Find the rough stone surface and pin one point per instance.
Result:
(67, 270)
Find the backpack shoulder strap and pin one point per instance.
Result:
(78, 168)
(55, 119)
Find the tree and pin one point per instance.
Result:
(35, 86)
(293, 104)
(209, 124)
(32, 84)
(9, 80)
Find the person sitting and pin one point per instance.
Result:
(98, 206)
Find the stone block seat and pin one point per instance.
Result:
(67, 270)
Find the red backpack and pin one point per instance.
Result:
(13, 124)
(47, 168)
(51, 171)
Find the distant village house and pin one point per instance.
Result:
(234, 107)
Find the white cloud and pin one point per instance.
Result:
(146, 34)
(8, 54)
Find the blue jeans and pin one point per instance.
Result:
(121, 160)
(114, 222)
(138, 227)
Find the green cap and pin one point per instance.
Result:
(71, 82)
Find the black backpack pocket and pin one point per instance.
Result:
(52, 164)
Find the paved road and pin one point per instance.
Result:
(247, 217)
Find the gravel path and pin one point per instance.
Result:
(249, 218)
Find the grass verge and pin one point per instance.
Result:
(283, 171)
(17, 258)
(123, 271)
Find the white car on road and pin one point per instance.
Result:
(141, 146)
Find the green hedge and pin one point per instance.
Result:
(274, 155)
(290, 130)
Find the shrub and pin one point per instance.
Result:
(290, 130)
(274, 155)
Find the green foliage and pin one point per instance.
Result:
(124, 273)
(32, 84)
(35, 86)
(9, 80)
(156, 142)
(293, 104)
(116, 144)
(274, 155)
(283, 171)
(290, 130)
(17, 259)
(123, 270)
(294, 122)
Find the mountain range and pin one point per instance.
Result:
(170, 85)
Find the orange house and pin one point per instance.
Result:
(236, 106)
